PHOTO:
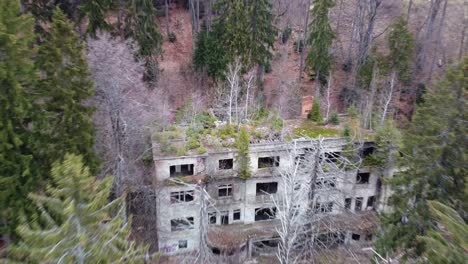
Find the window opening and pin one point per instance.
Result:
(262, 214)
(182, 224)
(266, 188)
(268, 162)
(182, 196)
(225, 190)
(362, 178)
(182, 244)
(225, 164)
(181, 170)
(236, 215)
(358, 205)
(225, 217)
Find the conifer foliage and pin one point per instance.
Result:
(18, 173)
(434, 154)
(243, 159)
(320, 39)
(77, 224)
(64, 85)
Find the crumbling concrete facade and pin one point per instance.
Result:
(242, 211)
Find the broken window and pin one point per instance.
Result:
(362, 178)
(182, 244)
(181, 170)
(212, 218)
(330, 240)
(267, 188)
(367, 150)
(182, 224)
(268, 162)
(183, 196)
(262, 214)
(225, 190)
(355, 237)
(370, 201)
(323, 207)
(236, 215)
(358, 205)
(347, 203)
(225, 164)
(225, 217)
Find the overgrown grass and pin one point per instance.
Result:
(312, 130)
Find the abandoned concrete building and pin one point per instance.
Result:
(241, 214)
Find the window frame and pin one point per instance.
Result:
(228, 188)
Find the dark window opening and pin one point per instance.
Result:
(358, 205)
(355, 237)
(212, 218)
(216, 251)
(267, 188)
(225, 190)
(368, 237)
(225, 164)
(268, 162)
(182, 224)
(182, 244)
(183, 196)
(225, 217)
(367, 150)
(262, 214)
(273, 243)
(370, 201)
(236, 215)
(362, 178)
(323, 207)
(181, 170)
(332, 156)
(347, 203)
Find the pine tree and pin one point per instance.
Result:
(314, 114)
(320, 40)
(435, 158)
(448, 243)
(77, 224)
(401, 45)
(263, 32)
(18, 170)
(95, 11)
(141, 26)
(243, 159)
(64, 85)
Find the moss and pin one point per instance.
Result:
(192, 143)
(201, 150)
(226, 131)
(181, 151)
(310, 129)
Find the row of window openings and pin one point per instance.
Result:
(223, 164)
(263, 188)
(186, 223)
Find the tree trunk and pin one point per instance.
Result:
(328, 96)
(208, 15)
(167, 17)
(408, 13)
(425, 42)
(439, 39)
(317, 86)
(370, 102)
(389, 98)
(304, 39)
(462, 41)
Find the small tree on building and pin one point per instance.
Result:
(243, 160)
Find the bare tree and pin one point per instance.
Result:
(126, 109)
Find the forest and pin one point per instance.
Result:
(94, 93)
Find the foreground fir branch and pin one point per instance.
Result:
(77, 223)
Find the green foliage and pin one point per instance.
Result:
(311, 130)
(209, 53)
(95, 11)
(334, 118)
(286, 34)
(401, 45)
(206, 120)
(346, 132)
(78, 220)
(388, 142)
(321, 37)
(226, 131)
(19, 172)
(192, 143)
(352, 112)
(242, 158)
(435, 162)
(448, 243)
(314, 114)
(201, 150)
(65, 84)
